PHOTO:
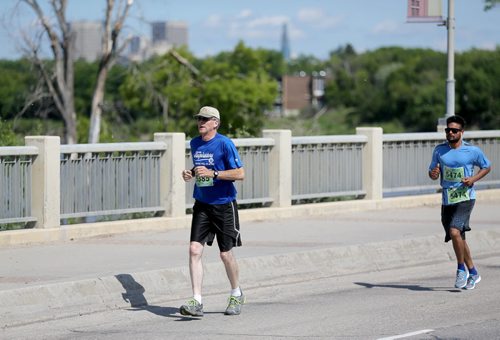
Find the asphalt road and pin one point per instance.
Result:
(409, 303)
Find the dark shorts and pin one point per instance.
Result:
(221, 220)
(456, 216)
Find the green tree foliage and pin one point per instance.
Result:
(243, 92)
(402, 89)
(489, 4)
(308, 64)
(235, 82)
(164, 90)
(406, 87)
(477, 88)
(7, 135)
(16, 80)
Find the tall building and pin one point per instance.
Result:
(88, 39)
(285, 43)
(158, 31)
(173, 33)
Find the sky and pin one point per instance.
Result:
(315, 27)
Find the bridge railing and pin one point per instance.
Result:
(46, 184)
(15, 184)
(406, 158)
(110, 179)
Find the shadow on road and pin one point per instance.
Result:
(409, 287)
(134, 294)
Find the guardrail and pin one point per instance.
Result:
(44, 183)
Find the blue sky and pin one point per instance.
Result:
(315, 26)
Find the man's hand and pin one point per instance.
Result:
(468, 181)
(201, 171)
(187, 175)
(434, 173)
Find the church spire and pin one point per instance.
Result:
(285, 43)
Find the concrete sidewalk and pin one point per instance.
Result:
(45, 281)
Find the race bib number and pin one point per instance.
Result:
(204, 182)
(457, 195)
(453, 174)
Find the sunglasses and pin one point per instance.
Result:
(203, 119)
(448, 130)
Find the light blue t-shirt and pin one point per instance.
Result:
(456, 164)
(219, 154)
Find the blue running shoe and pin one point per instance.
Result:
(461, 280)
(472, 280)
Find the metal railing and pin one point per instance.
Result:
(254, 153)
(126, 178)
(327, 166)
(406, 159)
(110, 179)
(15, 184)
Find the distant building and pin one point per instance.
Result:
(177, 33)
(302, 92)
(88, 39)
(164, 36)
(135, 45)
(173, 33)
(139, 49)
(285, 43)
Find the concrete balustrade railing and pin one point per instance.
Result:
(170, 149)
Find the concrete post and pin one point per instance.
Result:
(46, 181)
(172, 186)
(372, 162)
(280, 167)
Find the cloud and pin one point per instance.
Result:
(213, 21)
(246, 13)
(264, 27)
(272, 21)
(318, 17)
(387, 26)
(310, 15)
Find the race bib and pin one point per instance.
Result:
(204, 181)
(457, 195)
(453, 174)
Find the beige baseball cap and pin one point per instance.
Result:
(208, 112)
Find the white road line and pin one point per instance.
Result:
(406, 335)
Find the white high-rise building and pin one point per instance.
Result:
(88, 39)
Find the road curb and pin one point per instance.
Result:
(126, 290)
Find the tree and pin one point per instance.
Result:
(110, 50)
(489, 4)
(58, 81)
(167, 84)
(57, 77)
(235, 82)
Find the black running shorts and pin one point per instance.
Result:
(456, 216)
(221, 220)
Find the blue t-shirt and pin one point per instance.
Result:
(456, 164)
(220, 154)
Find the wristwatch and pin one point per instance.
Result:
(216, 173)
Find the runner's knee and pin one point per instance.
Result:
(226, 256)
(195, 249)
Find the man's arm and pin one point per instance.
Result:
(469, 181)
(237, 174)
